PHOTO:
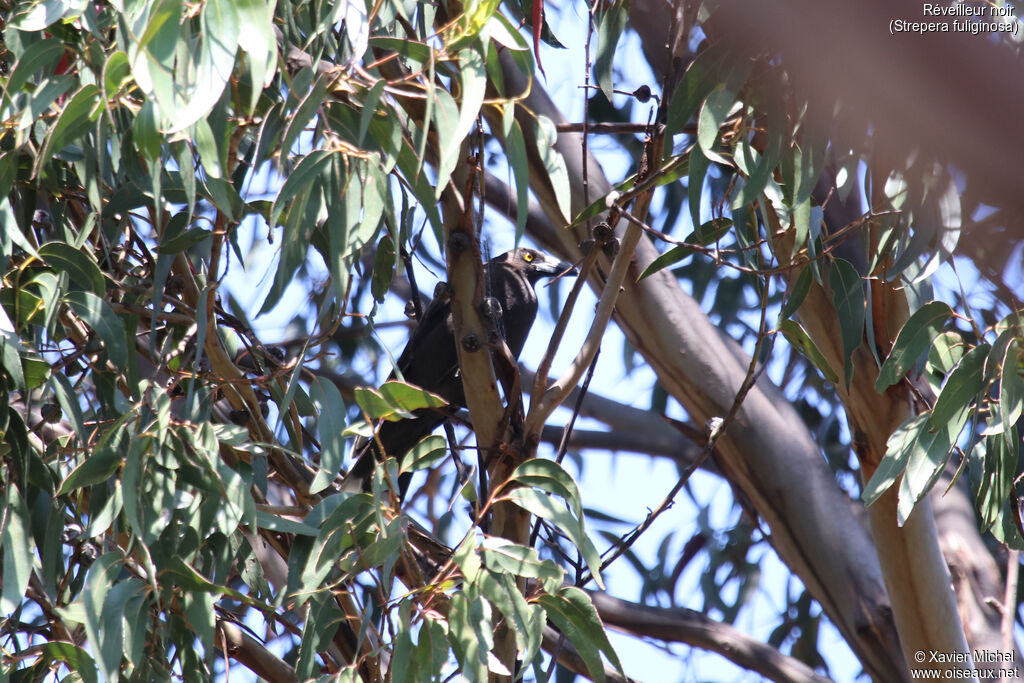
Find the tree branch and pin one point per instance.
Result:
(682, 625)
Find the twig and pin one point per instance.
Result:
(716, 427)
(556, 393)
(540, 377)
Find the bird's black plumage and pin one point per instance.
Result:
(430, 359)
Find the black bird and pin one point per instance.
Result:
(430, 359)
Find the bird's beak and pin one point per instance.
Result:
(566, 268)
(552, 268)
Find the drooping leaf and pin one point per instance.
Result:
(848, 298)
(913, 340)
(572, 611)
(609, 29)
(929, 453)
(572, 526)
(962, 386)
(425, 454)
(19, 550)
(797, 294)
(712, 115)
(83, 272)
(554, 164)
(331, 424)
(798, 337)
(98, 315)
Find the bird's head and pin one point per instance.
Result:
(536, 264)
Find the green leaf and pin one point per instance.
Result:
(1011, 391)
(609, 29)
(929, 452)
(470, 634)
(799, 174)
(146, 130)
(759, 170)
(707, 233)
(515, 148)
(429, 451)
(848, 298)
(543, 506)
(549, 476)
(266, 520)
(330, 425)
(339, 532)
(38, 57)
(554, 164)
(117, 74)
(572, 611)
(502, 555)
(304, 112)
(299, 180)
(994, 463)
(473, 86)
(527, 620)
(698, 168)
(712, 115)
(256, 37)
(711, 231)
(67, 398)
(700, 78)
(898, 448)
(798, 337)
(801, 220)
(369, 109)
(669, 258)
(323, 617)
(74, 121)
(373, 403)
(203, 72)
(98, 315)
(446, 121)
(101, 578)
(39, 14)
(410, 397)
(18, 550)
(37, 371)
(209, 149)
(185, 240)
(383, 268)
(409, 49)
(963, 384)
(76, 659)
(98, 466)
(913, 340)
(83, 272)
(112, 617)
(946, 351)
(797, 294)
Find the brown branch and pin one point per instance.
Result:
(680, 625)
(242, 647)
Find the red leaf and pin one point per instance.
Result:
(537, 17)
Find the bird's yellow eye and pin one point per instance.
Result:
(528, 256)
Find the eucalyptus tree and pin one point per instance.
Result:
(173, 473)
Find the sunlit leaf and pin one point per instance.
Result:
(798, 337)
